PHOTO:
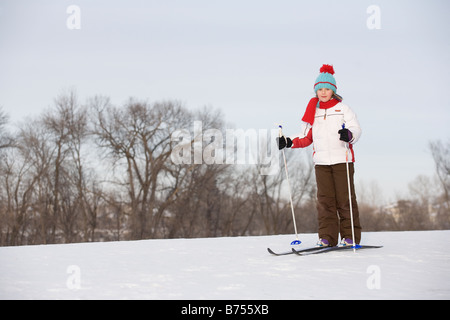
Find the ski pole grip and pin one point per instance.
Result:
(346, 146)
(280, 133)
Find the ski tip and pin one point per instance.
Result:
(357, 246)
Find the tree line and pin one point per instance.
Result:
(94, 171)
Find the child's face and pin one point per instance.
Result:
(324, 94)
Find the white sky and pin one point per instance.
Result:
(256, 60)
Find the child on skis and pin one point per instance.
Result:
(333, 129)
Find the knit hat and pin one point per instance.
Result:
(326, 79)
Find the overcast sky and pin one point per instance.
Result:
(256, 60)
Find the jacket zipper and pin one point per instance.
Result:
(325, 115)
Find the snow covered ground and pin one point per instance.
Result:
(411, 265)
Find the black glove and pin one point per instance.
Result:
(346, 135)
(284, 142)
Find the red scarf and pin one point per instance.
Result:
(311, 108)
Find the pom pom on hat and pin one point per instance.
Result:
(326, 79)
(327, 68)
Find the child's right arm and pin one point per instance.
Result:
(303, 142)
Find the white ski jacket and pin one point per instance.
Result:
(328, 149)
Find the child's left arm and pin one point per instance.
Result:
(352, 124)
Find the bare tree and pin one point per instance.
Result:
(6, 140)
(67, 126)
(441, 156)
(137, 139)
(46, 178)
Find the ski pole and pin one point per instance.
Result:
(349, 193)
(295, 242)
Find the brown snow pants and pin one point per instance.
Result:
(333, 204)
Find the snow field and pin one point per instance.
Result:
(411, 265)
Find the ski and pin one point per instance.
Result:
(328, 249)
(316, 250)
(292, 251)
